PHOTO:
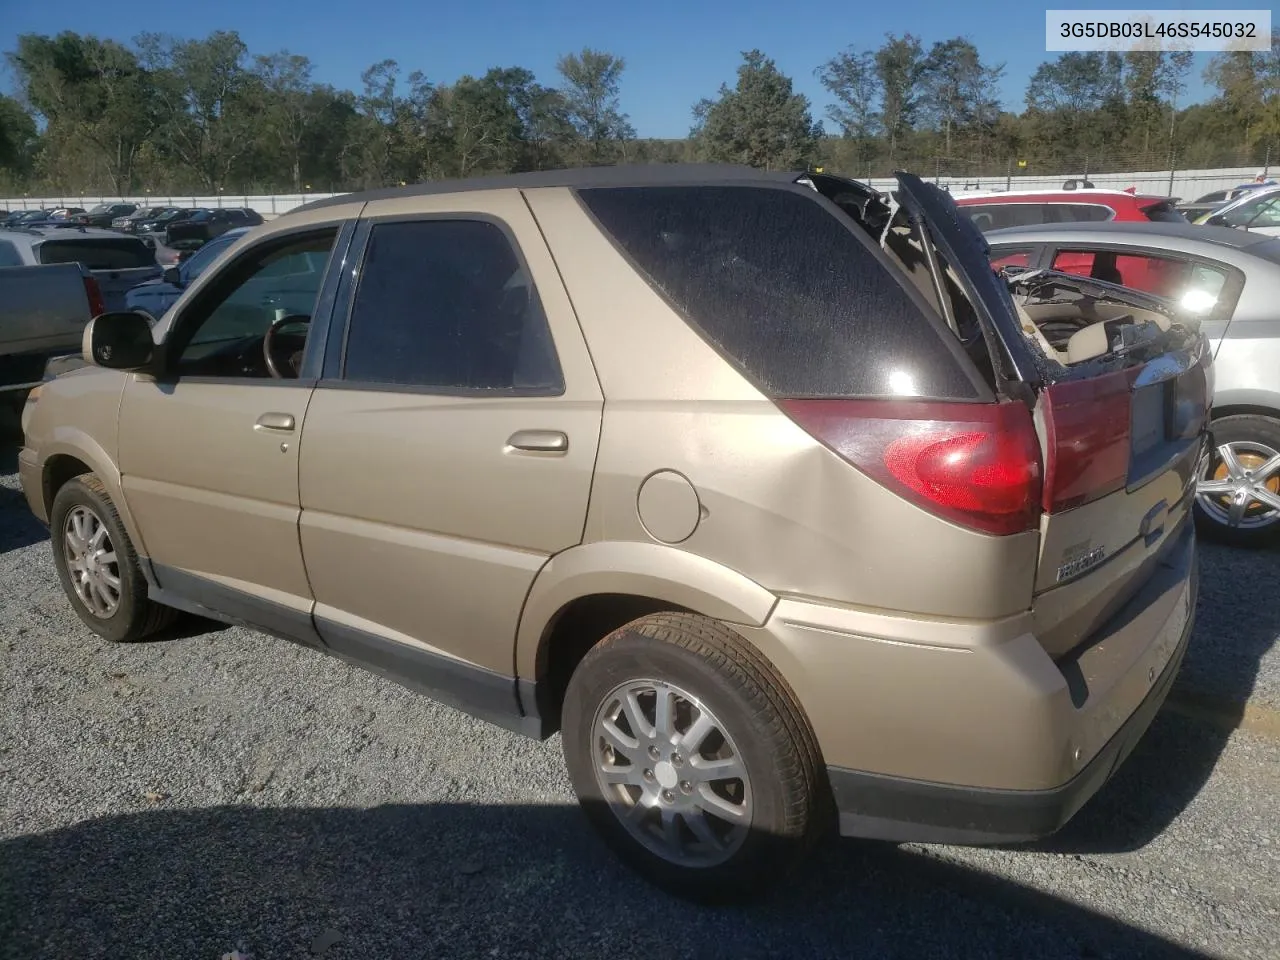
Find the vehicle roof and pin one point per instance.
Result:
(1055, 195)
(628, 175)
(1176, 236)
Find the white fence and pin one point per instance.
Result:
(1185, 184)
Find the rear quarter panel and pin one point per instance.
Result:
(772, 503)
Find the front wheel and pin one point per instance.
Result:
(97, 564)
(1238, 494)
(692, 759)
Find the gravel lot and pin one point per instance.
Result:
(190, 796)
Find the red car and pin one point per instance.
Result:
(994, 211)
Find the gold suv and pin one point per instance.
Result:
(763, 489)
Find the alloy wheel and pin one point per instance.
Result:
(91, 562)
(1241, 488)
(671, 773)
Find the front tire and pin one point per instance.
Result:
(97, 565)
(692, 758)
(1238, 495)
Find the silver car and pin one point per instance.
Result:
(1230, 279)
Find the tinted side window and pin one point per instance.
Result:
(997, 216)
(1083, 212)
(106, 253)
(784, 289)
(447, 304)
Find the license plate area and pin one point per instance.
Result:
(1167, 419)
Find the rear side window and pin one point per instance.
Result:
(783, 289)
(1080, 212)
(446, 305)
(105, 253)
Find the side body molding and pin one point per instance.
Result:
(637, 569)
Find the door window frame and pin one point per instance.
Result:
(208, 288)
(332, 367)
(1227, 300)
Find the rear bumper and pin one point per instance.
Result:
(955, 731)
(889, 808)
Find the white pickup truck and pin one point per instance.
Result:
(43, 313)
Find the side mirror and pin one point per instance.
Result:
(173, 275)
(1216, 220)
(119, 341)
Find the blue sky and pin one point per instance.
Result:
(677, 51)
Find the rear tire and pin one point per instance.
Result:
(727, 790)
(98, 566)
(1243, 446)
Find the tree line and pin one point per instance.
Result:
(173, 115)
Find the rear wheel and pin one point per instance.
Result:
(1238, 494)
(692, 759)
(97, 564)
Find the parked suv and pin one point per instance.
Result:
(771, 521)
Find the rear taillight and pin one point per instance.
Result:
(976, 464)
(1087, 439)
(97, 306)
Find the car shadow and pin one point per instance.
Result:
(473, 880)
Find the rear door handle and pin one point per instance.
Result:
(275, 421)
(539, 441)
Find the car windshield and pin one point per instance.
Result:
(101, 208)
(169, 215)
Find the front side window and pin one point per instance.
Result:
(222, 333)
(447, 305)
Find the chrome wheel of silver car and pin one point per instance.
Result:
(91, 562)
(1241, 487)
(671, 773)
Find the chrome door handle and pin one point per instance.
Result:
(275, 421)
(539, 441)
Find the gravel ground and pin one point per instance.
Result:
(220, 790)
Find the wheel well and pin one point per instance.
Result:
(576, 628)
(1241, 409)
(58, 470)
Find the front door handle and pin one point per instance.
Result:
(275, 421)
(539, 441)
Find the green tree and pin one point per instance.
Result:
(288, 107)
(760, 121)
(207, 96)
(959, 90)
(18, 140)
(592, 80)
(900, 70)
(89, 90)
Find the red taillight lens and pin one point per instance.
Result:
(1087, 438)
(976, 464)
(97, 306)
